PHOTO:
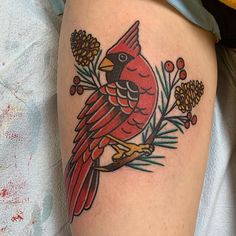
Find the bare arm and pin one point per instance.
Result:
(137, 97)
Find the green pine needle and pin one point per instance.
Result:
(162, 126)
(167, 137)
(138, 168)
(164, 78)
(87, 73)
(166, 146)
(162, 106)
(152, 162)
(167, 132)
(160, 109)
(155, 157)
(165, 142)
(162, 83)
(177, 124)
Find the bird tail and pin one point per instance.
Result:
(81, 181)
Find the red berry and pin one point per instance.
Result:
(72, 90)
(180, 63)
(80, 90)
(182, 74)
(189, 115)
(76, 80)
(187, 125)
(194, 120)
(169, 66)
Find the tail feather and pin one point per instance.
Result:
(93, 188)
(81, 180)
(83, 195)
(76, 184)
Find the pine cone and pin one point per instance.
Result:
(84, 47)
(188, 95)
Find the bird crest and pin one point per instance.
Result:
(129, 42)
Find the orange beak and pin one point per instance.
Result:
(106, 65)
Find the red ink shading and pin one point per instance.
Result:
(30, 159)
(17, 217)
(13, 192)
(3, 230)
(4, 192)
(13, 136)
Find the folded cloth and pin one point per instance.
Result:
(195, 12)
(57, 6)
(217, 211)
(32, 200)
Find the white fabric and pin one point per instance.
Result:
(32, 200)
(217, 211)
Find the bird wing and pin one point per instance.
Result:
(104, 111)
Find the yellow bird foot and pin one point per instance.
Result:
(141, 148)
(120, 153)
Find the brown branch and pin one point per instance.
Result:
(118, 163)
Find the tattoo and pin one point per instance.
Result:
(121, 109)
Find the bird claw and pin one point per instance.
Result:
(120, 153)
(121, 158)
(142, 149)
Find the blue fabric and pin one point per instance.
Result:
(194, 11)
(57, 6)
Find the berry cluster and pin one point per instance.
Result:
(191, 119)
(180, 64)
(76, 87)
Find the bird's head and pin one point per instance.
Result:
(121, 54)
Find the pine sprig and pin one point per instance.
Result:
(145, 161)
(161, 133)
(88, 76)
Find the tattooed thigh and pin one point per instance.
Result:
(129, 116)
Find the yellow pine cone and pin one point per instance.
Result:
(188, 95)
(84, 47)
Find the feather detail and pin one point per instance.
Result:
(104, 111)
(100, 101)
(93, 188)
(116, 121)
(99, 113)
(96, 153)
(105, 119)
(80, 134)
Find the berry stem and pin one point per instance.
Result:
(173, 82)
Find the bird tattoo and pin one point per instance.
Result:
(112, 115)
(121, 109)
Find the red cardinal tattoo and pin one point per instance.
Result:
(113, 114)
(123, 108)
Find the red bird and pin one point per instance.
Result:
(113, 114)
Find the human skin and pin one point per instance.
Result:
(131, 202)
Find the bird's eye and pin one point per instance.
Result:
(122, 57)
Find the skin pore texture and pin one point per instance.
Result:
(136, 87)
